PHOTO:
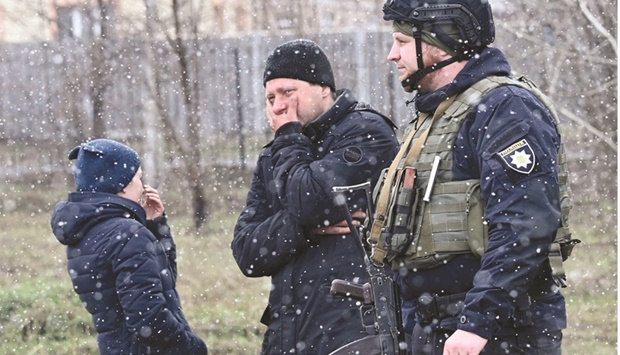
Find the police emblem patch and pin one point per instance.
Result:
(519, 157)
(352, 154)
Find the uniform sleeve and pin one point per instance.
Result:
(265, 241)
(356, 151)
(140, 292)
(517, 161)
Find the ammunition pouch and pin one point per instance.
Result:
(401, 215)
(454, 220)
(440, 307)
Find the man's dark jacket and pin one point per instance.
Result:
(290, 195)
(123, 267)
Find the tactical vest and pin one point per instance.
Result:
(422, 228)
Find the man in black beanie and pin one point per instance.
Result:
(291, 228)
(300, 59)
(121, 255)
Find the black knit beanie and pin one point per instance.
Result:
(300, 59)
(104, 165)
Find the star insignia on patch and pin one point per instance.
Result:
(519, 157)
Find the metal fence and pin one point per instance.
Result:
(46, 89)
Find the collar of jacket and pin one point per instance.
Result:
(102, 198)
(490, 62)
(316, 129)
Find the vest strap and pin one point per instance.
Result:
(378, 246)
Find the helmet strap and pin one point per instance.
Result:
(411, 82)
(417, 36)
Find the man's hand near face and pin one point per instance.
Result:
(278, 116)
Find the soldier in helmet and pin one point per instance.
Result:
(473, 210)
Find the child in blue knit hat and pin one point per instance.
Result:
(104, 165)
(121, 255)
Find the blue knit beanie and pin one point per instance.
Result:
(300, 59)
(104, 165)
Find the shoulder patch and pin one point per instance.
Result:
(519, 157)
(352, 154)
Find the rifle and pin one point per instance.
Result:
(379, 295)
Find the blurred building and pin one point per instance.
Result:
(53, 20)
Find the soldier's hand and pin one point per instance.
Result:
(464, 343)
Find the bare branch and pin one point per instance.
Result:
(604, 87)
(567, 53)
(598, 26)
(155, 83)
(555, 77)
(610, 142)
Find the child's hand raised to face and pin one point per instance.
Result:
(152, 203)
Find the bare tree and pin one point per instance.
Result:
(90, 26)
(101, 52)
(184, 33)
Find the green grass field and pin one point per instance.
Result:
(40, 314)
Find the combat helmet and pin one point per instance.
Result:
(473, 18)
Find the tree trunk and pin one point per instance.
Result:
(188, 147)
(100, 72)
(196, 176)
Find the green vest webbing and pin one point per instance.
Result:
(452, 222)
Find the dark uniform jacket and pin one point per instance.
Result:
(290, 195)
(123, 267)
(522, 210)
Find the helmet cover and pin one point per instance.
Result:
(473, 18)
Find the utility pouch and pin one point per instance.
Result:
(399, 233)
(455, 220)
(476, 224)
